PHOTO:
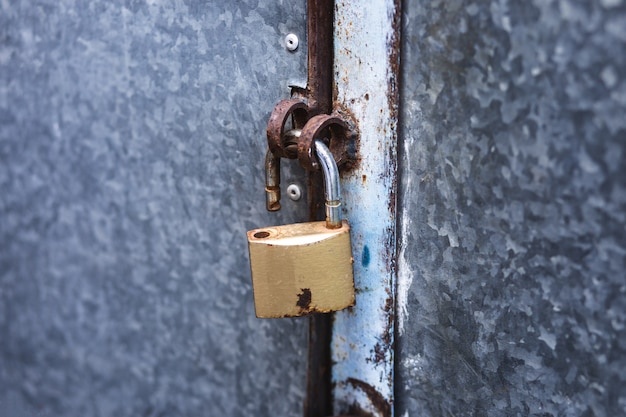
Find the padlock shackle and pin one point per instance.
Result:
(332, 188)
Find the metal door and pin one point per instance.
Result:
(511, 283)
(131, 142)
(490, 133)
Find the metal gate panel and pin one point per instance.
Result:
(131, 160)
(511, 283)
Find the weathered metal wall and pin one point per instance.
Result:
(131, 150)
(512, 282)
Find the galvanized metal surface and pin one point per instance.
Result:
(131, 165)
(512, 283)
(366, 72)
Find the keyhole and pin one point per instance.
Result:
(261, 235)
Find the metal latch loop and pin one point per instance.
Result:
(295, 108)
(332, 129)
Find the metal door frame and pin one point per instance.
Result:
(366, 71)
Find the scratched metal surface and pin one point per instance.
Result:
(512, 282)
(366, 79)
(131, 150)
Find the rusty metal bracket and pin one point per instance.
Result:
(295, 108)
(337, 130)
(329, 128)
(315, 101)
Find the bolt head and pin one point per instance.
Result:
(294, 192)
(291, 42)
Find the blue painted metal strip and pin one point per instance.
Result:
(366, 62)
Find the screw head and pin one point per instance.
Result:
(291, 42)
(294, 192)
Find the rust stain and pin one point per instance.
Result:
(304, 299)
(393, 96)
(320, 55)
(351, 140)
(387, 337)
(376, 398)
(379, 353)
(304, 302)
(386, 343)
(393, 46)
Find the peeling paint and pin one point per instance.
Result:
(366, 71)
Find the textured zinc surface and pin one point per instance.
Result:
(512, 282)
(132, 137)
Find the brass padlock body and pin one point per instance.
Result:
(301, 268)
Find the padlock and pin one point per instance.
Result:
(305, 268)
